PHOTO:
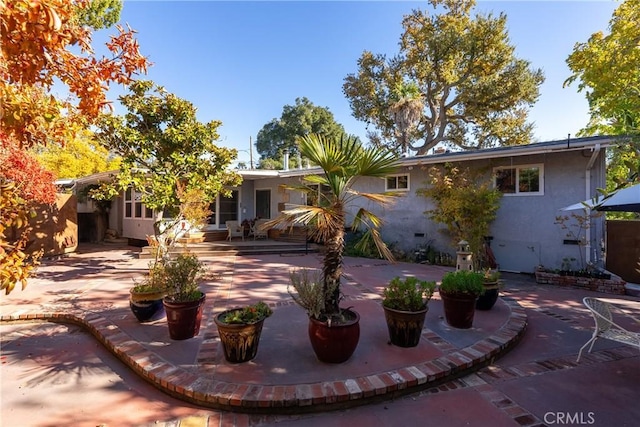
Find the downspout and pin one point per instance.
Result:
(587, 180)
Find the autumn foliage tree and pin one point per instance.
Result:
(43, 42)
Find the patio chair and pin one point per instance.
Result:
(259, 232)
(605, 327)
(234, 230)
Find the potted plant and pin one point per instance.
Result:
(239, 330)
(405, 303)
(184, 300)
(145, 297)
(491, 283)
(459, 291)
(334, 331)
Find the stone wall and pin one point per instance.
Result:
(615, 285)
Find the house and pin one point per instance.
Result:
(537, 179)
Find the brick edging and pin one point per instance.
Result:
(186, 385)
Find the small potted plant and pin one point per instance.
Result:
(459, 291)
(239, 330)
(145, 297)
(405, 303)
(491, 283)
(184, 301)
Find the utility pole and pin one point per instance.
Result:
(250, 154)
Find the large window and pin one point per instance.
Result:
(397, 183)
(229, 207)
(520, 180)
(133, 207)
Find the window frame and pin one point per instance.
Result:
(132, 201)
(396, 176)
(518, 169)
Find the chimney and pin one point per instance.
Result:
(299, 161)
(285, 161)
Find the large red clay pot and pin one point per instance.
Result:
(184, 318)
(335, 343)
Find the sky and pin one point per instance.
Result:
(241, 62)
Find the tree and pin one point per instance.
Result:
(164, 150)
(297, 120)
(466, 203)
(43, 42)
(24, 183)
(473, 91)
(343, 160)
(80, 156)
(607, 69)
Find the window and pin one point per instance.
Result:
(524, 180)
(263, 203)
(397, 183)
(229, 207)
(133, 207)
(319, 195)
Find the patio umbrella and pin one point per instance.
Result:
(624, 200)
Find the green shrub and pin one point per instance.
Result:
(409, 294)
(463, 281)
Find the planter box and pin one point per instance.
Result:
(615, 285)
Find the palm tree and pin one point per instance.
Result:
(343, 161)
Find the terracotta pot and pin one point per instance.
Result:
(405, 327)
(184, 318)
(147, 311)
(335, 343)
(459, 308)
(488, 299)
(239, 340)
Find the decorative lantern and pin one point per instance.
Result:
(465, 256)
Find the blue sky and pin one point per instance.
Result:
(241, 62)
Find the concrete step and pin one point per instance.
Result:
(632, 289)
(212, 249)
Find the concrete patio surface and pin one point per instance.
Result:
(74, 354)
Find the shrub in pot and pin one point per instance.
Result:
(459, 291)
(240, 329)
(184, 301)
(145, 297)
(405, 303)
(491, 283)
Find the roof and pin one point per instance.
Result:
(592, 143)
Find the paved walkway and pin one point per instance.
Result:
(57, 374)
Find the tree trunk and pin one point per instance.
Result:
(332, 268)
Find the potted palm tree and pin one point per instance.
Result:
(184, 301)
(459, 291)
(334, 331)
(240, 329)
(405, 303)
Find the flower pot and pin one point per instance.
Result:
(335, 343)
(239, 340)
(459, 308)
(488, 299)
(405, 327)
(184, 318)
(147, 310)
